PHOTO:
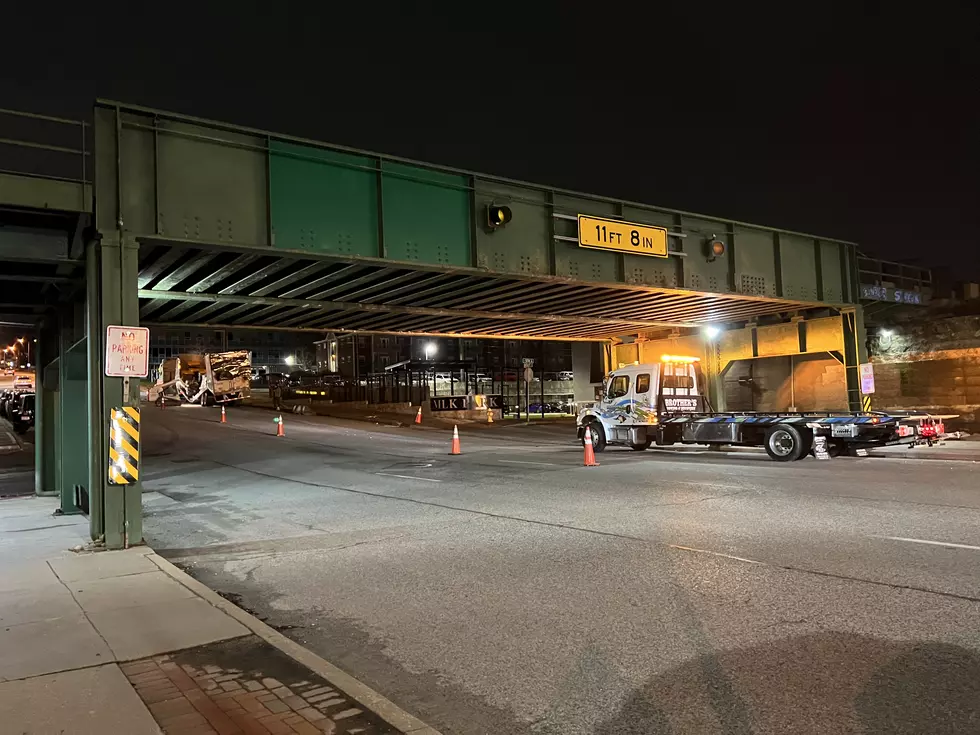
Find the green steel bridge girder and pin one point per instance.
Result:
(173, 178)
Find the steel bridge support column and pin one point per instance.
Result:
(72, 427)
(93, 414)
(582, 357)
(118, 270)
(714, 375)
(855, 353)
(46, 405)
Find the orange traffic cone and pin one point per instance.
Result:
(455, 449)
(589, 452)
(418, 416)
(280, 429)
(224, 420)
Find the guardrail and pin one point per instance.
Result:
(890, 281)
(45, 146)
(873, 271)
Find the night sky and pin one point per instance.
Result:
(860, 125)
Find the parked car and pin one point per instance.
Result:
(22, 414)
(566, 375)
(24, 383)
(274, 379)
(5, 398)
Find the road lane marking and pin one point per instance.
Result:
(517, 461)
(408, 477)
(930, 543)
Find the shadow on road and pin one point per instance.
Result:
(824, 683)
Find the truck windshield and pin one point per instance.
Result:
(619, 386)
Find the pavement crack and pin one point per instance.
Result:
(698, 500)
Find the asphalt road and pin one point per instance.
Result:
(511, 590)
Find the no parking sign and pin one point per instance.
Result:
(127, 352)
(867, 378)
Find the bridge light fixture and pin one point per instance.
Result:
(498, 215)
(714, 248)
(886, 333)
(430, 349)
(711, 331)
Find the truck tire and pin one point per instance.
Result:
(598, 436)
(784, 443)
(641, 446)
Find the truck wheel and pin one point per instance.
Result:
(807, 447)
(641, 446)
(598, 436)
(784, 443)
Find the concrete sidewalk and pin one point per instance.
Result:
(124, 642)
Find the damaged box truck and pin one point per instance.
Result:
(209, 378)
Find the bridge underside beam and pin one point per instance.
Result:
(184, 284)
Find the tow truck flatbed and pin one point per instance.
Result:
(661, 404)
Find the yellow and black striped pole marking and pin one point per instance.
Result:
(124, 446)
(866, 403)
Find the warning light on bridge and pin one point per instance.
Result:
(714, 248)
(498, 216)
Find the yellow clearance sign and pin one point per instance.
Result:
(625, 237)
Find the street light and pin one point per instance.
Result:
(430, 349)
(290, 360)
(23, 341)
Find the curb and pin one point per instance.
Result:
(363, 694)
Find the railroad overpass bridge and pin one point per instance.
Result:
(171, 220)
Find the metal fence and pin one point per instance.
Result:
(539, 397)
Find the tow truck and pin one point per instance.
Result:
(662, 404)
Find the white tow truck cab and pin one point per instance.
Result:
(662, 403)
(634, 397)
